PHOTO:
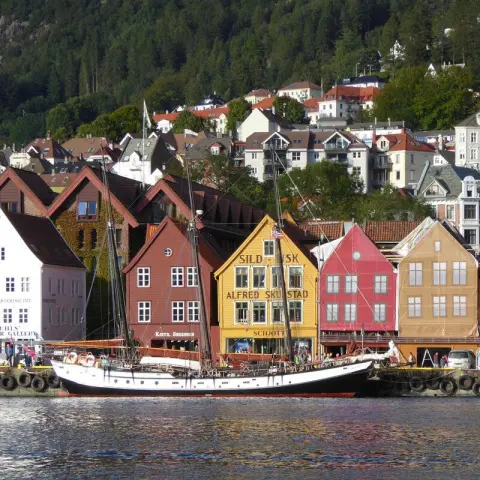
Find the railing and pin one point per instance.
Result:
(375, 338)
(282, 146)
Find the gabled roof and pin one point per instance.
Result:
(48, 148)
(38, 165)
(265, 103)
(388, 231)
(43, 239)
(299, 85)
(260, 92)
(202, 148)
(31, 185)
(124, 192)
(323, 230)
(220, 208)
(359, 94)
(404, 141)
(57, 180)
(154, 148)
(207, 245)
(291, 231)
(84, 147)
(471, 121)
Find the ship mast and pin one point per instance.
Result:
(278, 249)
(118, 294)
(205, 346)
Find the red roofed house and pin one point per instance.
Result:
(301, 91)
(46, 148)
(357, 290)
(258, 95)
(399, 159)
(162, 295)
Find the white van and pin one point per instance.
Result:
(461, 359)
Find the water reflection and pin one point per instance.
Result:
(231, 438)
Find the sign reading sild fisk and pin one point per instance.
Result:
(288, 258)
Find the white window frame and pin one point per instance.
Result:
(333, 283)
(25, 284)
(331, 312)
(295, 303)
(7, 315)
(379, 312)
(178, 311)
(10, 284)
(256, 276)
(439, 306)
(380, 284)
(240, 307)
(439, 273)
(290, 286)
(459, 273)
(144, 309)
(23, 315)
(296, 156)
(415, 277)
(459, 306)
(261, 305)
(193, 311)
(268, 242)
(143, 277)
(236, 276)
(2, 253)
(414, 307)
(351, 283)
(277, 305)
(176, 277)
(192, 277)
(277, 276)
(350, 312)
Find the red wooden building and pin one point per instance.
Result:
(163, 305)
(357, 290)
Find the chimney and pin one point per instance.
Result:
(389, 121)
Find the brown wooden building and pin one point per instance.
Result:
(162, 295)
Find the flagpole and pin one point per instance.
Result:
(143, 146)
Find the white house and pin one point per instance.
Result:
(301, 91)
(42, 282)
(258, 95)
(261, 120)
(467, 142)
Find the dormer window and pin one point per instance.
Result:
(383, 144)
(87, 211)
(433, 190)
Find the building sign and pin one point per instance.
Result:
(269, 294)
(254, 259)
(15, 300)
(269, 333)
(7, 331)
(174, 334)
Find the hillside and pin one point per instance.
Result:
(179, 50)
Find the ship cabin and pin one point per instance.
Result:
(438, 293)
(250, 300)
(357, 294)
(163, 305)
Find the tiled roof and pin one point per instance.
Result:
(312, 103)
(83, 147)
(319, 230)
(388, 231)
(260, 92)
(361, 94)
(404, 141)
(165, 116)
(58, 179)
(265, 103)
(298, 85)
(48, 148)
(44, 240)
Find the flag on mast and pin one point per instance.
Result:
(146, 117)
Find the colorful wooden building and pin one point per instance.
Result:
(250, 307)
(357, 292)
(163, 305)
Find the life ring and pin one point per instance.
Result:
(53, 381)
(8, 382)
(39, 384)
(417, 384)
(476, 388)
(448, 386)
(82, 359)
(465, 382)
(433, 383)
(90, 361)
(24, 379)
(71, 357)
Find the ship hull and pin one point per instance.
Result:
(347, 380)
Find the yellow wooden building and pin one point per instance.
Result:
(250, 307)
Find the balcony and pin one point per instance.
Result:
(336, 147)
(276, 146)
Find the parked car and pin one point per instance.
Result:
(461, 359)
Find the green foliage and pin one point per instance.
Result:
(238, 111)
(291, 110)
(187, 120)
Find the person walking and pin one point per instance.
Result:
(436, 363)
(442, 362)
(9, 353)
(411, 360)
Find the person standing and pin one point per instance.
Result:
(436, 362)
(442, 362)
(9, 353)
(411, 360)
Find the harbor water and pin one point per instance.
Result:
(260, 438)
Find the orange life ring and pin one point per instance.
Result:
(90, 362)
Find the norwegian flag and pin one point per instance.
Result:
(30, 351)
(276, 233)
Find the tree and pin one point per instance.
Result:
(126, 119)
(291, 110)
(166, 93)
(60, 117)
(238, 111)
(189, 121)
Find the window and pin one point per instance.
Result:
(470, 212)
(7, 315)
(23, 315)
(93, 238)
(295, 277)
(177, 277)
(241, 312)
(350, 312)
(50, 315)
(316, 156)
(397, 175)
(462, 137)
(61, 286)
(277, 312)
(81, 238)
(357, 171)
(192, 279)
(73, 316)
(259, 312)
(333, 282)
(332, 312)
(25, 284)
(259, 274)
(59, 315)
(144, 312)
(415, 277)
(412, 175)
(75, 288)
(414, 306)
(380, 284)
(64, 315)
(268, 248)
(470, 236)
(379, 312)
(87, 211)
(439, 306)
(397, 158)
(10, 284)
(118, 237)
(276, 277)
(450, 212)
(473, 137)
(459, 273)
(351, 283)
(473, 154)
(462, 155)
(2, 253)
(295, 311)
(295, 156)
(194, 312)
(254, 156)
(241, 277)
(143, 277)
(412, 158)
(439, 273)
(459, 306)
(178, 312)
